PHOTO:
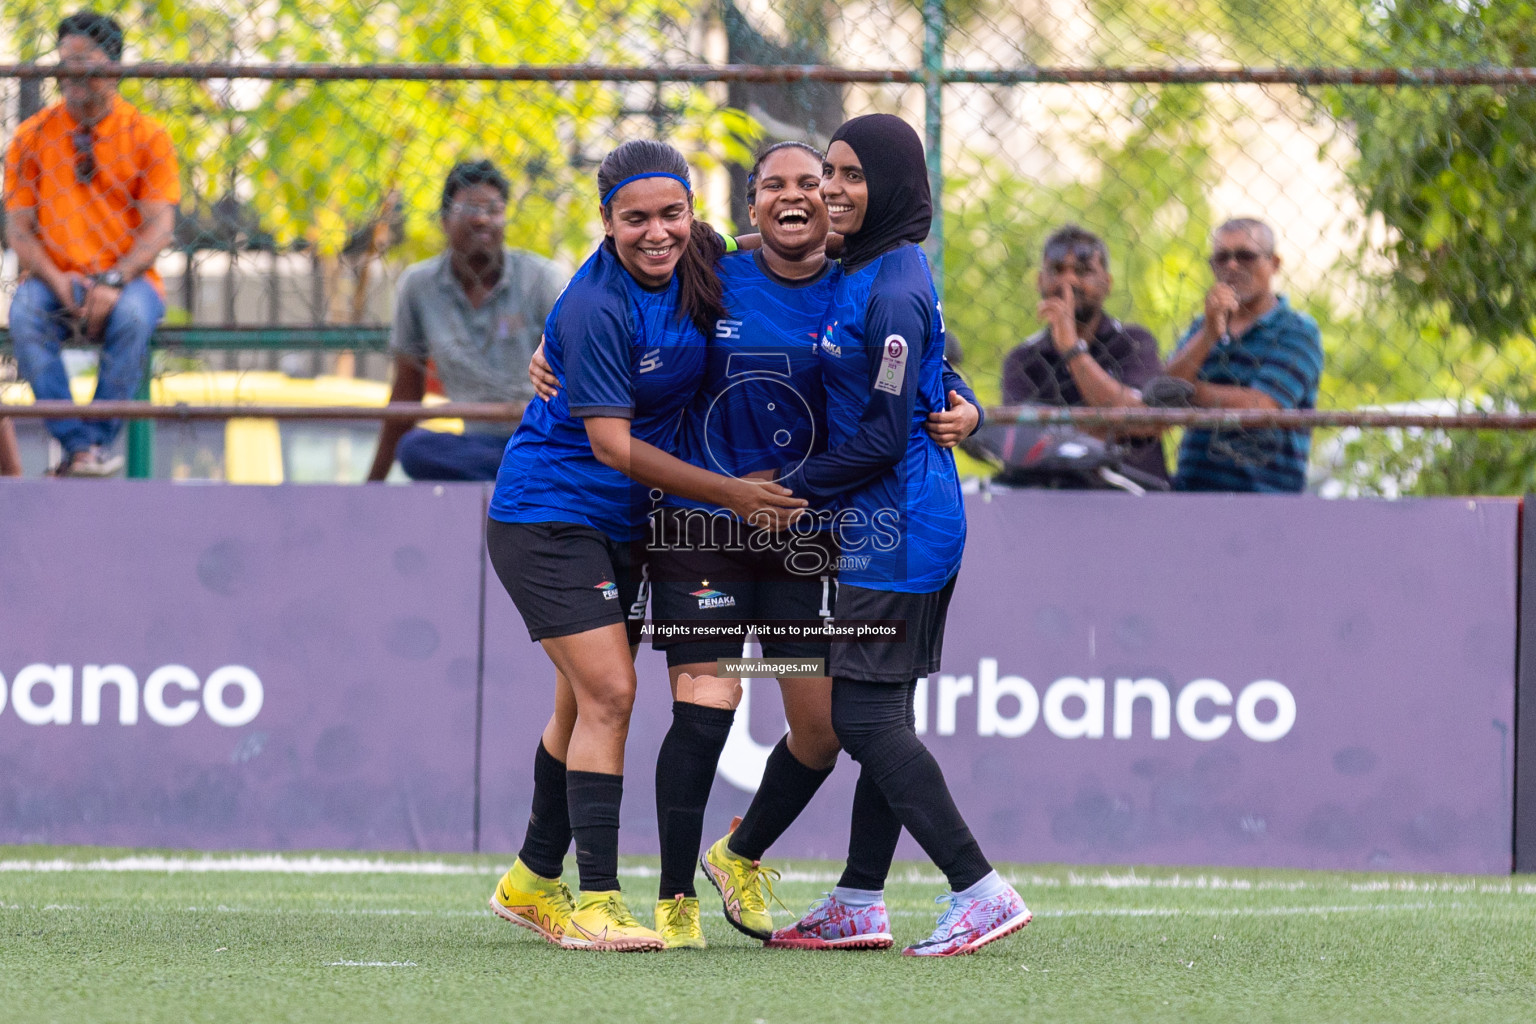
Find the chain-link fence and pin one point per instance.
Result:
(1387, 145)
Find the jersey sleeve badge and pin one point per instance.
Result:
(893, 365)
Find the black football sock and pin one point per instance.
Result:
(549, 826)
(787, 787)
(872, 834)
(871, 723)
(873, 830)
(594, 800)
(685, 770)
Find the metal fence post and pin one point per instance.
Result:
(141, 437)
(933, 130)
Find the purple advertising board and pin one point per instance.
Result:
(218, 667)
(1236, 680)
(1181, 679)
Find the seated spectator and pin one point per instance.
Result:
(477, 311)
(1250, 350)
(90, 189)
(1083, 356)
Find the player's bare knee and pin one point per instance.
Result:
(709, 691)
(607, 704)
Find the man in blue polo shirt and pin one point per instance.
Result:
(1250, 350)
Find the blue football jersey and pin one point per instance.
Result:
(619, 350)
(761, 405)
(901, 522)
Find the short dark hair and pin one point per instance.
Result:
(477, 172)
(99, 28)
(763, 155)
(1071, 236)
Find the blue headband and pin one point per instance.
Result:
(608, 196)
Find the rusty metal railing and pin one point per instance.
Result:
(788, 73)
(1289, 419)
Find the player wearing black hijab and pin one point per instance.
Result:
(881, 352)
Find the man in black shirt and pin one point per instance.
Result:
(1083, 356)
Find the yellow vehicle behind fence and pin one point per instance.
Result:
(245, 451)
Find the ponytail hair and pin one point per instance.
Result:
(699, 295)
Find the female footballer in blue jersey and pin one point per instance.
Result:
(881, 352)
(760, 404)
(570, 504)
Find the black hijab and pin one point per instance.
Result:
(900, 205)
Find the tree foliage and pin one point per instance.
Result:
(318, 162)
(1449, 170)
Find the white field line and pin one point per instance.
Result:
(1158, 912)
(263, 864)
(372, 963)
(1107, 879)
(277, 864)
(334, 911)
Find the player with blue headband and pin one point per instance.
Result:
(567, 523)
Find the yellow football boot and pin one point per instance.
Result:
(542, 905)
(745, 888)
(602, 921)
(677, 920)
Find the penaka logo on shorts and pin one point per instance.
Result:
(710, 598)
(171, 695)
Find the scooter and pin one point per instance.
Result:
(1058, 457)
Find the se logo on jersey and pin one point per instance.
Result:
(650, 361)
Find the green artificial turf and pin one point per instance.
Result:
(1229, 945)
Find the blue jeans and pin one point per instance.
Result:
(432, 455)
(40, 327)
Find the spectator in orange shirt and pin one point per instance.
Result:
(91, 189)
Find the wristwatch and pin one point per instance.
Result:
(110, 278)
(1080, 349)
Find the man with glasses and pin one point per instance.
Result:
(1250, 350)
(91, 188)
(476, 312)
(1083, 356)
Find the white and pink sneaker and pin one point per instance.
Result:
(832, 924)
(969, 924)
